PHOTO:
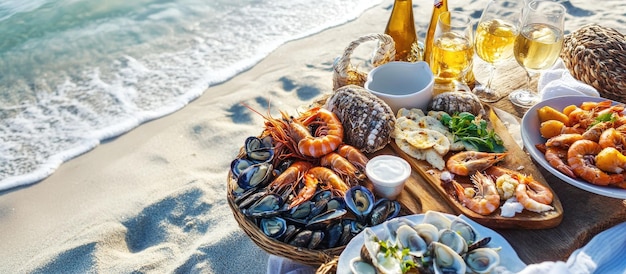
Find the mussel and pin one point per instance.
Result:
(269, 205)
(383, 210)
(259, 149)
(254, 176)
(238, 165)
(273, 227)
(326, 218)
(360, 201)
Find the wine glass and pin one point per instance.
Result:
(496, 31)
(453, 50)
(538, 45)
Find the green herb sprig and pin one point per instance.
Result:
(473, 132)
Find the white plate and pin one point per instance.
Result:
(531, 137)
(508, 256)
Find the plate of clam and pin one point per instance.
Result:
(580, 140)
(468, 156)
(432, 242)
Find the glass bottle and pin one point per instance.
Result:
(438, 7)
(401, 27)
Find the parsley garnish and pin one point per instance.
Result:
(473, 132)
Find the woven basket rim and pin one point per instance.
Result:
(305, 256)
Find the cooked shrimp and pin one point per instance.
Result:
(556, 157)
(329, 133)
(469, 162)
(521, 193)
(536, 190)
(594, 132)
(563, 140)
(596, 106)
(319, 176)
(291, 175)
(341, 166)
(354, 155)
(581, 158)
(486, 199)
(611, 160)
(612, 138)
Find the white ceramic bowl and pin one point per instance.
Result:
(388, 174)
(402, 84)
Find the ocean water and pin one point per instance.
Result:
(76, 72)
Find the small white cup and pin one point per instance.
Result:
(388, 174)
(402, 84)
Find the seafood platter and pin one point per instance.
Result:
(463, 150)
(580, 140)
(442, 243)
(299, 189)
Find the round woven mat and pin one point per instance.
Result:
(596, 55)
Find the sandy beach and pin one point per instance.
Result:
(154, 199)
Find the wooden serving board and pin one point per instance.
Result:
(518, 160)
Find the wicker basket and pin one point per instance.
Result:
(596, 55)
(302, 255)
(344, 73)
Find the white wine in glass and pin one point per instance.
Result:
(496, 31)
(538, 45)
(453, 49)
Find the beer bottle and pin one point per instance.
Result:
(438, 7)
(401, 27)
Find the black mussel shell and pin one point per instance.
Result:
(336, 203)
(316, 239)
(346, 233)
(239, 165)
(291, 231)
(301, 239)
(273, 227)
(383, 210)
(249, 197)
(268, 205)
(301, 211)
(254, 176)
(333, 235)
(259, 150)
(478, 244)
(360, 201)
(324, 219)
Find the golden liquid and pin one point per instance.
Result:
(538, 46)
(439, 6)
(494, 40)
(451, 57)
(401, 27)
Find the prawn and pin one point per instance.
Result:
(521, 194)
(535, 190)
(468, 162)
(329, 133)
(581, 158)
(354, 155)
(612, 138)
(595, 131)
(556, 157)
(341, 166)
(291, 175)
(563, 140)
(486, 199)
(312, 178)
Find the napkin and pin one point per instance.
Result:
(558, 81)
